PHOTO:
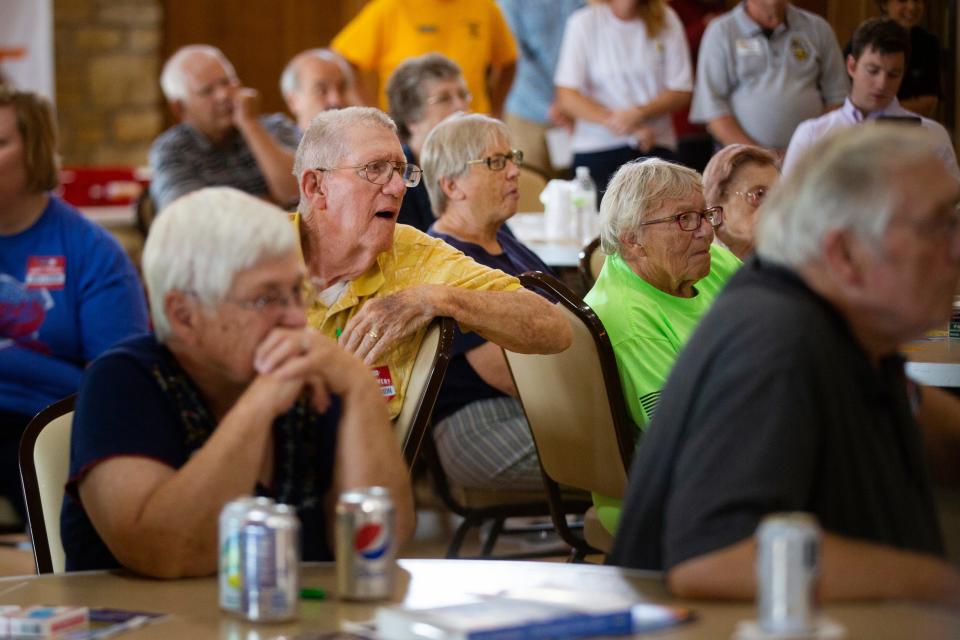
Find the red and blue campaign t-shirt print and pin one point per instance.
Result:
(24, 305)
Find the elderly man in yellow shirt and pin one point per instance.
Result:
(378, 284)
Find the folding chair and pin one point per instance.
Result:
(44, 468)
(423, 387)
(531, 184)
(591, 262)
(479, 506)
(575, 407)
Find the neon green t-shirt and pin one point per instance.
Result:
(647, 329)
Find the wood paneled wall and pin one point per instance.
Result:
(258, 36)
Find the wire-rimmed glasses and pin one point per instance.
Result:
(381, 171)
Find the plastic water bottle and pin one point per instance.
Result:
(584, 200)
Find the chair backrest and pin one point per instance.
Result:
(574, 401)
(146, 211)
(424, 387)
(531, 184)
(44, 467)
(591, 262)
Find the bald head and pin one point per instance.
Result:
(316, 80)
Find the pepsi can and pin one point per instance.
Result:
(231, 523)
(788, 567)
(366, 544)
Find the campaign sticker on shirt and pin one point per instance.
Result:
(46, 272)
(748, 47)
(385, 380)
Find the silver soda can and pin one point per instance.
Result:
(231, 522)
(366, 544)
(270, 561)
(788, 567)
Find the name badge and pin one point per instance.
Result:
(385, 380)
(46, 272)
(748, 47)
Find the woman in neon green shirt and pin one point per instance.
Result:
(661, 274)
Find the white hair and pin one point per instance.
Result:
(324, 142)
(290, 78)
(201, 241)
(173, 78)
(456, 140)
(846, 181)
(638, 190)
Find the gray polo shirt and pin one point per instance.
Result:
(770, 85)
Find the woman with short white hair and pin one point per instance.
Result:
(661, 274)
(232, 396)
(472, 177)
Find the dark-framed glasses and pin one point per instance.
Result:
(446, 97)
(381, 171)
(690, 220)
(754, 197)
(498, 161)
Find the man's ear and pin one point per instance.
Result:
(846, 257)
(176, 108)
(451, 188)
(851, 65)
(290, 98)
(313, 185)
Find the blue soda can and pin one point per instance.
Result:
(270, 564)
(231, 575)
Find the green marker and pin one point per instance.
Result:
(313, 593)
(339, 331)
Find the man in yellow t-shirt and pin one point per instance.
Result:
(473, 33)
(379, 284)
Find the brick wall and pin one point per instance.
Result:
(107, 56)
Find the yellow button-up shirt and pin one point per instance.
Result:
(414, 259)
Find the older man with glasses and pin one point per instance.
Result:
(661, 275)
(378, 284)
(792, 396)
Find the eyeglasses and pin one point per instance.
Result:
(690, 220)
(300, 297)
(498, 161)
(754, 197)
(381, 171)
(449, 96)
(945, 226)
